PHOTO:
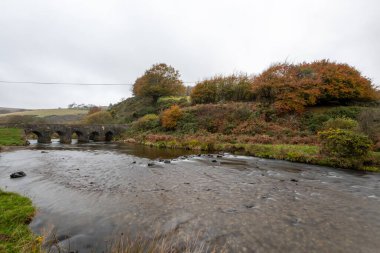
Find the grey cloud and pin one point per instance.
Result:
(115, 41)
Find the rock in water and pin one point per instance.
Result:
(18, 174)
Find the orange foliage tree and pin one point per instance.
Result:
(290, 88)
(170, 117)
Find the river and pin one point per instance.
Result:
(89, 194)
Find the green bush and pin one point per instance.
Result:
(147, 122)
(144, 111)
(351, 112)
(188, 123)
(164, 103)
(344, 143)
(315, 121)
(341, 123)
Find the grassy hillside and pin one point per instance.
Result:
(133, 108)
(249, 128)
(326, 105)
(4, 110)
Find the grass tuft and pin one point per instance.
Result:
(16, 212)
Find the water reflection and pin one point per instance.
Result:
(125, 148)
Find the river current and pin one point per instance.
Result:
(88, 194)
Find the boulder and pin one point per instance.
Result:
(18, 174)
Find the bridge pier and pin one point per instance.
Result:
(65, 138)
(83, 138)
(44, 137)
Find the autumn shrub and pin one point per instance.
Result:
(344, 143)
(147, 122)
(188, 123)
(158, 137)
(250, 127)
(340, 123)
(171, 116)
(222, 89)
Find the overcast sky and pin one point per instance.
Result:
(116, 41)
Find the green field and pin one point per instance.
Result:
(11, 137)
(47, 112)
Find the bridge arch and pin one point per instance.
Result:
(109, 136)
(39, 134)
(95, 136)
(42, 137)
(64, 137)
(82, 136)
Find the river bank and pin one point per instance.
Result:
(301, 153)
(16, 212)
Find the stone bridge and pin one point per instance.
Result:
(85, 133)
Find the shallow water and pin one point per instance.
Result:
(91, 193)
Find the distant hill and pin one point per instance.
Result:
(4, 110)
(52, 116)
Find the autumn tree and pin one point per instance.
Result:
(290, 88)
(341, 82)
(160, 80)
(286, 87)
